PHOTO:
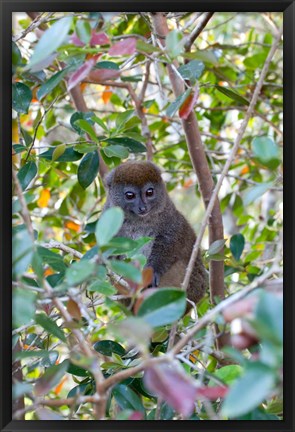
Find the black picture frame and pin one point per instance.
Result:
(7, 8)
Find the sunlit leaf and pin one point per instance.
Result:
(51, 39)
(174, 106)
(44, 198)
(109, 225)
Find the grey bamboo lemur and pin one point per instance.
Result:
(137, 187)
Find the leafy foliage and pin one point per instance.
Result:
(77, 282)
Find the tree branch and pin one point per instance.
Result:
(197, 30)
(201, 167)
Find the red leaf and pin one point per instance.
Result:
(136, 415)
(188, 105)
(99, 39)
(212, 393)
(81, 73)
(173, 386)
(74, 39)
(99, 75)
(124, 47)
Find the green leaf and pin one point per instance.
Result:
(58, 151)
(22, 252)
(51, 39)
(88, 169)
(163, 307)
(127, 398)
(26, 174)
(83, 30)
(227, 374)
(174, 43)
(108, 347)
(266, 151)
(23, 307)
(192, 70)
(133, 145)
(250, 390)
(256, 192)
(79, 272)
(116, 151)
(85, 147)
(100, 123)
(144, 47)
(69, 155)
(207, 56)
(21, 97)
(85, 126)
(269, 317)
(102, 287)
(107, 65)
(237, 244)
(109, 225)
(19, 355)
(50, 84)
(50, 378)
(50, 326)
(123, 117)
(53, 259)
(215, 247)
(174, 106)
(232, 95)
(88, 116)
(126, 270)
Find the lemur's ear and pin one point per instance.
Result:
(109, 178)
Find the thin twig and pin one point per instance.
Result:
(35, 24)
(197, 30)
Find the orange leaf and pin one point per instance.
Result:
(72, 225)
(59, 387)
(245, 170)
(188, 183)
(73, 309)
(106, 95)
(48, 272)
(44, 198)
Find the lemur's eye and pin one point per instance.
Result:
(150, 192)
(129, 195)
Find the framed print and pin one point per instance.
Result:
(142, 226)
